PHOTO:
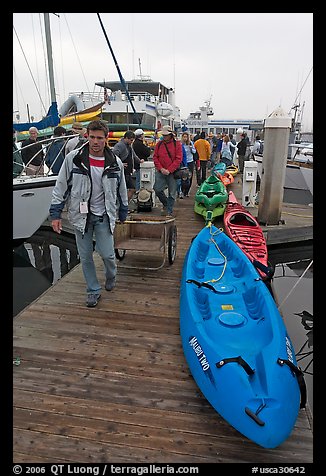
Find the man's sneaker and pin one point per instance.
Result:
(163, 211)
(109, 284)
(92, 300)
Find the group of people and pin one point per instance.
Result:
(32, 155)
(96, 183)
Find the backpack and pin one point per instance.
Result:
(261, 148)
(144, 200)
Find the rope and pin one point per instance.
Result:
(291, 290)
(218, 231)
(296, 215)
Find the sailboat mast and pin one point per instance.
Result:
(49, 54)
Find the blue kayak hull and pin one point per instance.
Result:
(235, 342)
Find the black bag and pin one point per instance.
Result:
(177, 174)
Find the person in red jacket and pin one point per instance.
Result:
(167, 158)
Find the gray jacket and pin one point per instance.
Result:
(74, 185)
(121, 149)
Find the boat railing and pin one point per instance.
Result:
(93, 98)
(43, 170)
(87, 97)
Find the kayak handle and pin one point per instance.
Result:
(239, 360)
(203, 284)
(254, 417)
(268, 270)
(301, 381)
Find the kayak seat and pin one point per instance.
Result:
(254, 303)
(238, 268)
(201, 299)
(242, 219)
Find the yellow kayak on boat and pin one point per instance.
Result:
(80, 117)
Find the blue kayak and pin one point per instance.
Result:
(235, 342)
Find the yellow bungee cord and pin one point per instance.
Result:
(218, 231)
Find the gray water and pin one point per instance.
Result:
(293, 291)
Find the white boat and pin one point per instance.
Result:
(150, 105)
(32, 196)
(32, 193)
(301, 153)
(31, 203)
(202, 120)
(298, 183)
(140, 103)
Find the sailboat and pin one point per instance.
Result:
(32, 193)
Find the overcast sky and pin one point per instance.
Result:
(246, 64)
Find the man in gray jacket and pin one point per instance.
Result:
(92, 183)
(123, 149)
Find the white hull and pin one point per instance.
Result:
(31, 202)
(298, 184)
(153, 102)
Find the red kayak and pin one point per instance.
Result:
(246, 232)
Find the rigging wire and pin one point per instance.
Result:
(17, 86)
(88, 88)
(299, 280)
(21, 47)
(301, 89)
(35, 54)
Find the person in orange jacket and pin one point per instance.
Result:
(204, 152)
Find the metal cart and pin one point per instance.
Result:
(143, 234)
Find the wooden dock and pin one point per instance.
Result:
(111, 384)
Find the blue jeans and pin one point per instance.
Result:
(99, 226)
(178, 186)
(161, 182)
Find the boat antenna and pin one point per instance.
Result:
(118, 69)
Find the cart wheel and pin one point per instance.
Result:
(119, 254)
(172, 243)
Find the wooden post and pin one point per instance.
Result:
(276, 140)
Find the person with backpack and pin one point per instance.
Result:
(258, 146)
(55, 155)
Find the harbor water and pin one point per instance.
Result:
(46, 257)
(292, 287)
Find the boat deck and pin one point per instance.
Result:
(112, 384)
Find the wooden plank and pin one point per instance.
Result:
(112, 384)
